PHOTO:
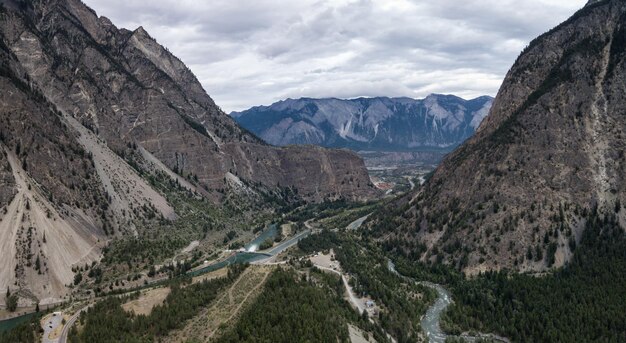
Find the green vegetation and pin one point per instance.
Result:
(323, 241)
(437, 273)
(108, 322)
(11, 302)
(198, 218)
(323, 210)
(23, 333)
(343, 219)
(582, 302)
(461, 340)
(368, 265)
(267, 244)
(585, 301)
(159, 238)
(78, 277)
(294, 308)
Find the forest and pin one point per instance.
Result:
(585, 301)
(23, 333)
(404, 303)
(582, 302)
(296, 308)
(108, 322)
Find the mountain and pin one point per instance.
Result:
(106, 134)
(382, 124)
(552, 150)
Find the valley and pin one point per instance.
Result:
(282, 257)
(398, 179)
(134, 209)
(335, 242)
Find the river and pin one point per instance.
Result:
(8, 324)
(431, 321)
(270, 233)
(251, 254)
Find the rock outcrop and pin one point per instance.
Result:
(551, 150)
(87, 112)
(127, 88)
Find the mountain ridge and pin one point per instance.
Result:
(379, 123)
(516, 195)
(109, 139)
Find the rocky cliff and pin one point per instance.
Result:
(126, 88)
(551, 150)
(92, 116)
(384, 124)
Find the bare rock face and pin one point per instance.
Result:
(321, 173)
(77, 95)
(515, 195)
(52, 205)
(365, 124)
(7, 183)
(126, 87)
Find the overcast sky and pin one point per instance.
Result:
(256, 52)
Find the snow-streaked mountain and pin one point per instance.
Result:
(438, 121)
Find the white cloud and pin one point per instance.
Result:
(254, 52)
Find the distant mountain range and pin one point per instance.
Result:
(384, 124)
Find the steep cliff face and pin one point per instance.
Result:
(389, 124)
(551, 150)
(127, 88)
(52, 205)
(7, 183)
(94, 119)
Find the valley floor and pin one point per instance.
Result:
(221, 314)
(366, 296)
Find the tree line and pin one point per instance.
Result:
(583, 302)
(108, 322)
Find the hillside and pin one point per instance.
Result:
(380, 124)
(105, 134)
(550, 153)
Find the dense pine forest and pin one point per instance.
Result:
(296, 308)
(404, 302)
(108, 322)
(583, 302)
(23, 333)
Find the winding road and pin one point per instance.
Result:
(270, 255)
(353, 298)
(288, 243)
(70, 323)
(431, 321)
(357, 223)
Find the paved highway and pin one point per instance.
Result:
(271, 255)
(70, 323)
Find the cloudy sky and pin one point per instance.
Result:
(256, 52)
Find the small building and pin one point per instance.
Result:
(370, 303)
